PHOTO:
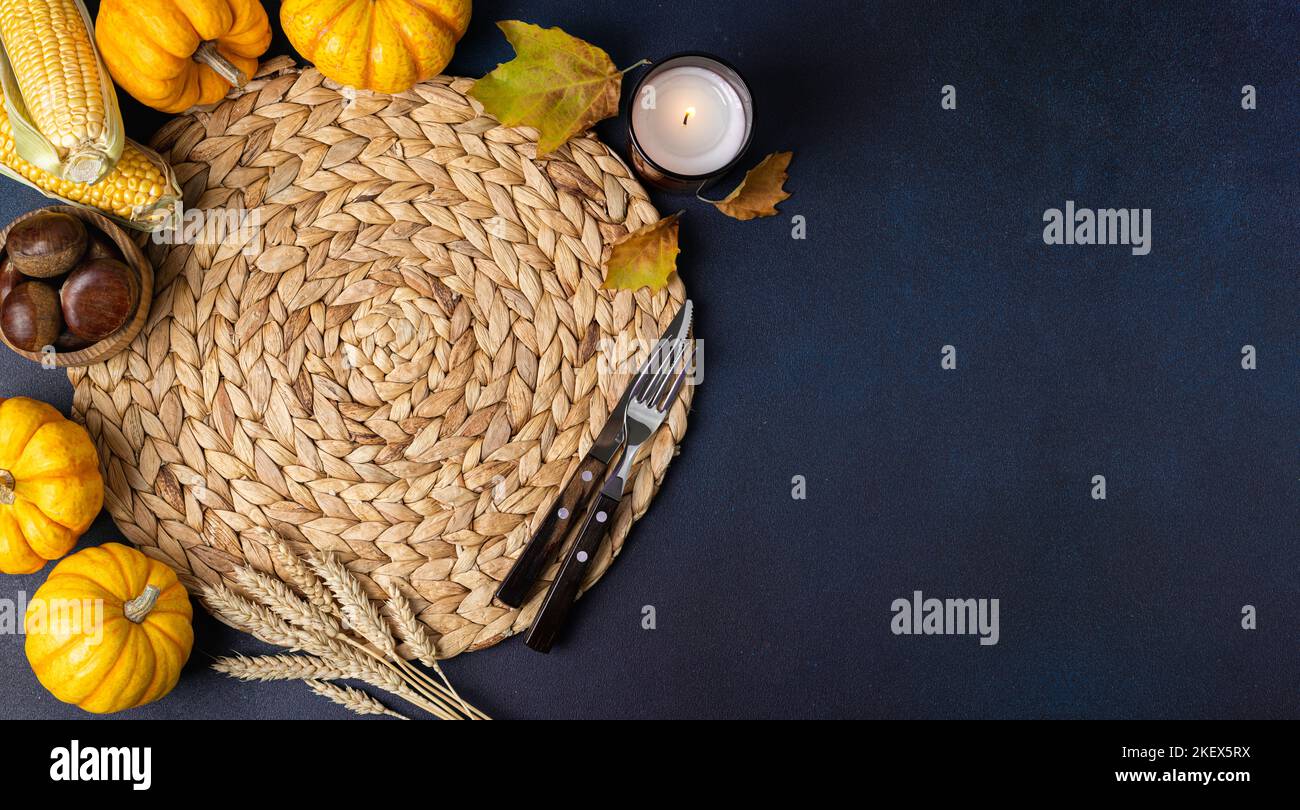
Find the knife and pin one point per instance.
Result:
(646, 412)
(564, 512)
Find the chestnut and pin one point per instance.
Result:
(100, 246)
(68, 342)
(98, 297)
(30, 318)
(9, 276)
(47, 244)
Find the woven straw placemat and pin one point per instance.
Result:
(407, 368)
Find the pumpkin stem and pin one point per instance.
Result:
(207, 54)
(140, 606)
(7, 485)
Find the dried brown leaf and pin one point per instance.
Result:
(760, 191)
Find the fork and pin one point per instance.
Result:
(646, 410)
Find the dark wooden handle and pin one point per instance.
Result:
(550, 536)
(564, 590)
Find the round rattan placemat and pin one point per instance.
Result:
(406, 368)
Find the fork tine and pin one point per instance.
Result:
(662, 405)
(661, 365)
(663, 374)
(663, 359)
(674, 371)
(652, 365)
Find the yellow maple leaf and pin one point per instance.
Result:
(557, 84)
(760, 191)
(644, 258)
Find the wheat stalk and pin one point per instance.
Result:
(283, 668)
(252, 618)
(286, 604)
(263, 623)
(364, 617)
(358, 611)
(352, 699)
(361, 615)
(316, 612)
(409, 627)
(370, 667)
(299, 574)
(413, 632)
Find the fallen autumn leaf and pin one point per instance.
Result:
(760, 191)
(644, 258)
(557, 84)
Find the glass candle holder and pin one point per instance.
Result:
(690, 120)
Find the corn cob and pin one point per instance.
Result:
(139, 190)
(57, 71)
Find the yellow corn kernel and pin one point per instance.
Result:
(132, 190)
(55, 65)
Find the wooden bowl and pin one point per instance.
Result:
(135, 259)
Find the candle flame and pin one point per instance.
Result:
(689, 112)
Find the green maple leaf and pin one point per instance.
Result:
(644, 258)
(557, 84)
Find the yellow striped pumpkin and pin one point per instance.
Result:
(381, 45)
(110, 629)
(50, 486)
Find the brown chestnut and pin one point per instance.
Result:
(47, 244)
(98, 297)
(100, 246)
(68, 342)
(9, 276)
(30, 318)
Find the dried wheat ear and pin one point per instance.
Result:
(320, 612)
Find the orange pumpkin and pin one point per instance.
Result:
(176, 54)
(109, 630)
(50, 486)
(381, 45)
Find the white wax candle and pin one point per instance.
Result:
(693, 123)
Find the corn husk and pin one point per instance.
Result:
(160, 214)
(86, 165)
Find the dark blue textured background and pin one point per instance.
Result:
(924, 229)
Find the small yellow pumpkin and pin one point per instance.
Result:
(175, 54)
(381, 45)
(50, 486)
(110, 629)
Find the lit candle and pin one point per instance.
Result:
(691, 120)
